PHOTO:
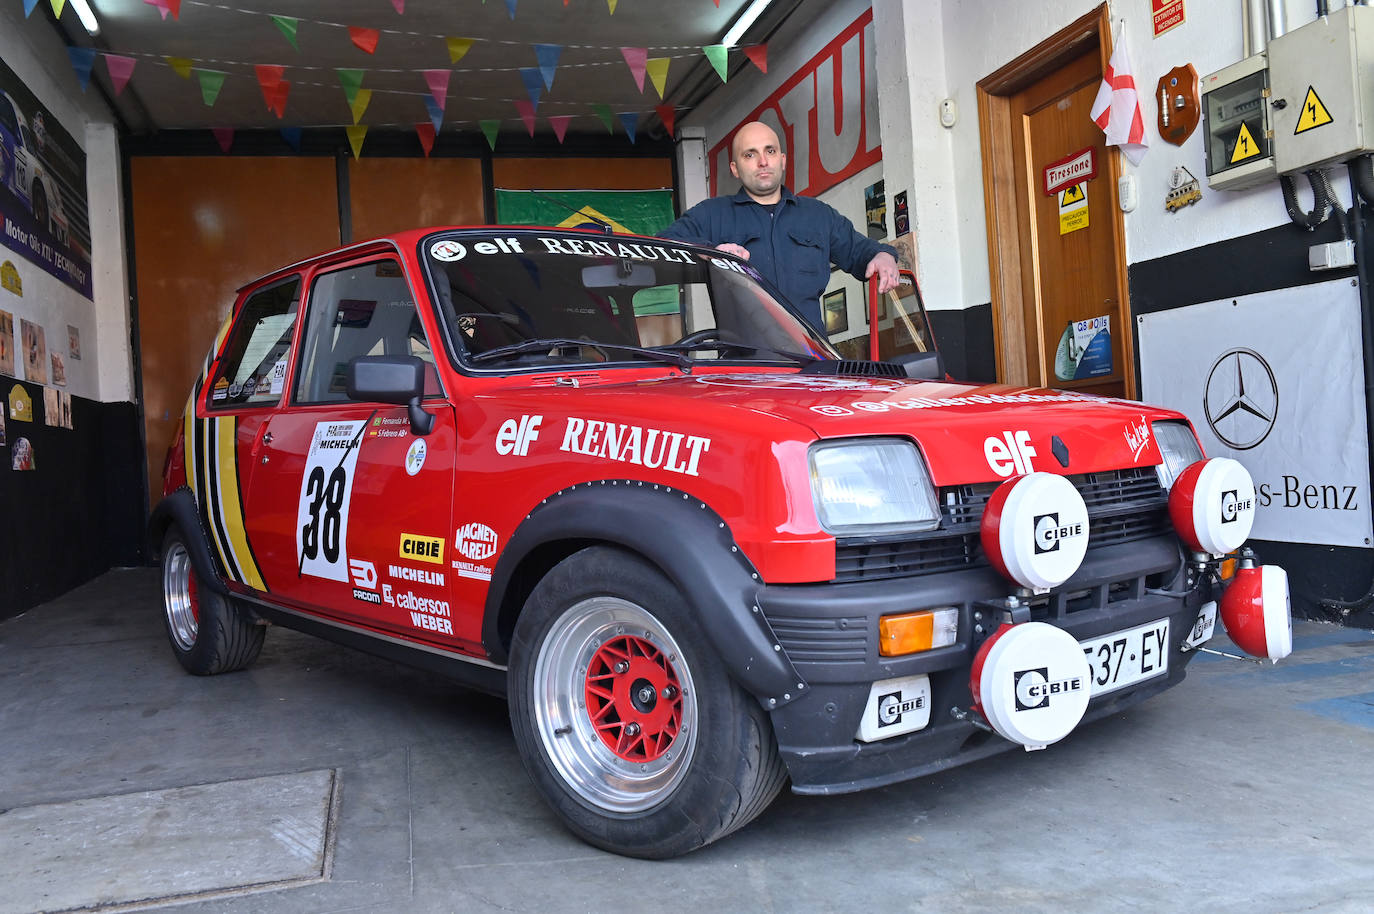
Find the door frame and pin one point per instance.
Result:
(1005, 253)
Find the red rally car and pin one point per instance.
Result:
(616, 480)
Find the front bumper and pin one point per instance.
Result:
(830, 633)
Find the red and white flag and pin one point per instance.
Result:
(1117, 107)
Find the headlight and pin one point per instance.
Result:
(1179, 447)
(874, 485)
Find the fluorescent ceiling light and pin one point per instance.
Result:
(737, 30)
(83, 12)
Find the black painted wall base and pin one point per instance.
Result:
(80, 511)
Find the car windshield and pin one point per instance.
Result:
(534, 299)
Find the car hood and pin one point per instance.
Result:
(967, 433)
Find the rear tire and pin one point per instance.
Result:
(209, 633)
(626, 720)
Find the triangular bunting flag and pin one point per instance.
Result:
(277, 102)
(166, 6)
(30, 4)
(534, 83)
(121, 68)
(352, 81)
(630, 119)
(82, 60)
(365, 39)
(719, 56)
(526, 110)
(360, 103)
(57, 6)
(547, 54)
(288, 26)
(180, 65)
(268, 75)
(224, 136)
(437, 80)
(658, 73)
(758, 54)
(510, 8)
(634, 59)
(210, 83)
(400, 6)
(436, 114)
(611, 4)
(559, 123)
(356, 134)
(491, 127)
(667, 114)
(292, 135)
(604, 113)
(426, 134)
(457, 47)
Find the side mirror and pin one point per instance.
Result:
(921, 365)
(391, 379)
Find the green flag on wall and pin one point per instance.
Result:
(640, 212)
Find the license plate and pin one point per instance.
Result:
(1124, 658)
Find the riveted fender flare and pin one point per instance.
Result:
(700, 557)
(180, 508)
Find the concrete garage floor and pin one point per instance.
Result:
(1244, 789)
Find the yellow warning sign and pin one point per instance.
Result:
(1314, 113)
(1073, 208)
(1246, 147)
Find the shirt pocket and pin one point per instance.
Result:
(807, 255)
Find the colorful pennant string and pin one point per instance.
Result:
(635, 60)
(758, 54)
(491, 127)
(510, 8)
(288, 25)
(437, 80)
(30, 4)
(224, 136)
(82, 60)
(426, 134)
(400, 6)
(180, 65)
(457, 47)
(667, 114)
(364, 39)
(611, 4)
(436, 114)
(559, 123)
(526, 110)
(211, 81)
(292, 135)
(356, 134)
(352, 81)
(630, 120)
(547, 55)
(277, 98)
(534, 83)
(604, 113)
(719, 57)
(120, 69)
(658, 73)
(360, 103)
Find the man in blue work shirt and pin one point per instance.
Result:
(790, 240)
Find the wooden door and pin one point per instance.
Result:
(1060, 306)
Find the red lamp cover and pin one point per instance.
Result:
(1255, 610)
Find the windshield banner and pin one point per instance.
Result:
(638, 212)
(43, 210)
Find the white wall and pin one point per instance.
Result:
(33, 50)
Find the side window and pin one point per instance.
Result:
(366, 309)
(252, 371)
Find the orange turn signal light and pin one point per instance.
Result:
(910, 633)
(1227, 568)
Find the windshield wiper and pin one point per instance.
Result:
(559, 342)
(721, 346)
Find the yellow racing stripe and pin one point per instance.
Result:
(230, 503)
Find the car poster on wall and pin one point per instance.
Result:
(43, 203)
(1273, 379)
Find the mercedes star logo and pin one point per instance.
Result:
(1241, 399)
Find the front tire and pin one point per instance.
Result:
(626, 720)
(209, 633)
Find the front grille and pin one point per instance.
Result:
(1123, 505)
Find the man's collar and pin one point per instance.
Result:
(742, 196)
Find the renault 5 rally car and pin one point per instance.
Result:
(616, 480)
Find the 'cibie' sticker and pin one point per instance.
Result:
(326, 490)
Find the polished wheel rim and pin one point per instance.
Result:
(615, 705)
(179, 597)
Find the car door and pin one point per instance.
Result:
(348, 506)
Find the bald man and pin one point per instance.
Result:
(790, 240)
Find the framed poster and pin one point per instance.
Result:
(836, 310)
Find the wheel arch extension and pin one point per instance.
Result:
(179, 508)
(700, 558)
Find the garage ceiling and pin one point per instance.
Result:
(486, 82)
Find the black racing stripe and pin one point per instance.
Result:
(217, 509)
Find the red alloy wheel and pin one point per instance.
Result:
(633, 698)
